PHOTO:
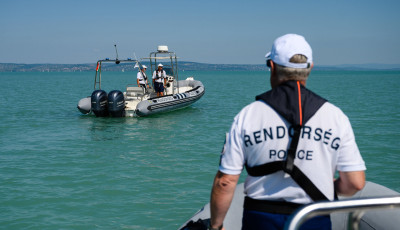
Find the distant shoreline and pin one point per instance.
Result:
(183, 66)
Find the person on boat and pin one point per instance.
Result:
(291, 142)
(142, 78)
(159, 80)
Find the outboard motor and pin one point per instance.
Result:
(116, 103)
(99, 103)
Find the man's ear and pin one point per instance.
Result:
(272, 64)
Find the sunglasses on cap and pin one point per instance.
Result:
(268, 63)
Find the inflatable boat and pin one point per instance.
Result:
(377, 207)
(137, 101)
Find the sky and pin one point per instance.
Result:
(216, 31)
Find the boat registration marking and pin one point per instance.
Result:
(165, 99)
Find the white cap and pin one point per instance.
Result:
(144, 67)
(160, 65)
(288, 45)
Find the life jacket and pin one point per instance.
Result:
(161, 74)
(297, 105)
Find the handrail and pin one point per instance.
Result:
(97, 76)
(355, 207)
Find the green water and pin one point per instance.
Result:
(63, 170)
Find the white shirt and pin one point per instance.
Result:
(259, 135)
(161, 75)
(141, 77)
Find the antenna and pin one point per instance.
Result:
(137, 62)
(116, 51)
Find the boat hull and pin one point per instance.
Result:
(171, 102)
(85, 105)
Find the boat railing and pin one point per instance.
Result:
(355, 207)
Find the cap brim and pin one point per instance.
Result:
(268, 55)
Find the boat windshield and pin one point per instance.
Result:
(168, 70)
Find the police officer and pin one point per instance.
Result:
(287, 136)
(159, 80)
(142, 78)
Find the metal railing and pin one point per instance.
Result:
(355, 207)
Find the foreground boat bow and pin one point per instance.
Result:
(372, 218)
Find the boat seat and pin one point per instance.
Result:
(134, 92)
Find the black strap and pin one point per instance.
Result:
(288, 166)
(307, 185)
(270, 206)
(297, 175)
(289, 163)
(264, 169)
(144, 76)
